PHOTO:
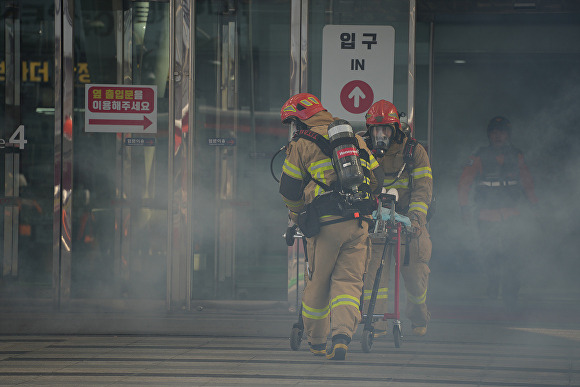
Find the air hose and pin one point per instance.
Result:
(272, 163)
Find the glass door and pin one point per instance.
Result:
(26, 148)
(119, 204)
(241, 81)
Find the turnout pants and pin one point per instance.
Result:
(415, 276)
(337, 258)
(500, 249)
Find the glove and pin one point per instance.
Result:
(386, 215)
(290, 232)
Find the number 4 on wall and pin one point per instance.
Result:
(17, 137)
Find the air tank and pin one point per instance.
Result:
(345, 156)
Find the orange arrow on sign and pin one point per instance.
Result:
(146, 122)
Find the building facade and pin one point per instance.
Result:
(192, 212)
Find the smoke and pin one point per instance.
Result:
(538, 94)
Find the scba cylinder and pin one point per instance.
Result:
(345, 156)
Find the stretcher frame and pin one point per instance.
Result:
(391, 230)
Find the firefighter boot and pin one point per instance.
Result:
(419, 331)
(339, 347)
(318, 349)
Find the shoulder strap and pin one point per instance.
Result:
(321, 142)
(316, 138)
(409, 151)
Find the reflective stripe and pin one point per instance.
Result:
(417, 300)
(382, 293)
(374, 162)
(401, 183)
(313, 313)
(318, 166)
(291, 170)
(292, 205)
(419, 173)
(418, 206)
(345, 299)
(317, 170)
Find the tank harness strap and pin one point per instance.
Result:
(324, 144)
(409, 151)
(357, 216)
(408, 154)
(316, 138)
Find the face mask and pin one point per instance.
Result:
(381, 138)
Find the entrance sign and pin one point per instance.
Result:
(358, 65)
(121, 108)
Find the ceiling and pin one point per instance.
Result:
(468, 10)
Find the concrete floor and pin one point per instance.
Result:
(471, 341)
(451, 354)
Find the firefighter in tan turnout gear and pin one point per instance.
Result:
(335, 224)
(406, 167)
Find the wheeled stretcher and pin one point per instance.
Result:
(389, 226)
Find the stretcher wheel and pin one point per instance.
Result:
(296, 337)
(367, 341)
(397, 336)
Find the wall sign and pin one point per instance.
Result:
(358, 65)
(121, 108)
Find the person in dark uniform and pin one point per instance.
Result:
(500, 177)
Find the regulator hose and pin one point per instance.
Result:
(272, 163)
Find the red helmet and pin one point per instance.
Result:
(301, 106)
(383, 113)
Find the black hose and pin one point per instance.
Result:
(272, 163)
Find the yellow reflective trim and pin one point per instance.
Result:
(404, 181)
(345, 299)
(313, 313)
(374, 162)
(317, 170)
(401, 183)
(291, 204)
(291, 170)
(324, 164)
(417, 300)
(382, 293)
(419, 173)
(418, 206)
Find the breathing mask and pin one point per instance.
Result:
(381, 138)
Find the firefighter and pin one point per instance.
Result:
(339, 252)
(500, 175)
(406, 167)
